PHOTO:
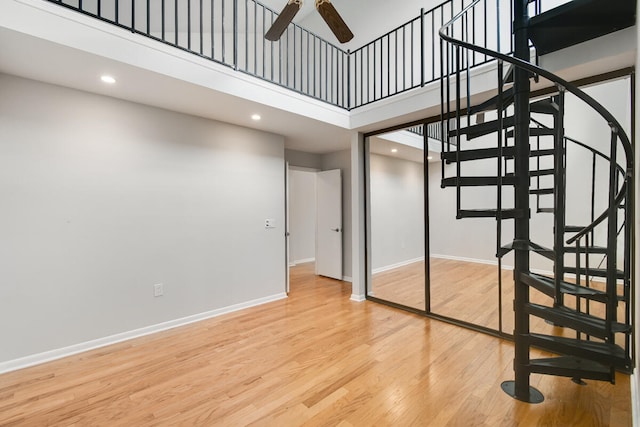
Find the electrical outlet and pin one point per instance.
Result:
(158, 290)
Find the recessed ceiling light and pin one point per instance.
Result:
(256, 117)
(107, 79)
(394, 150)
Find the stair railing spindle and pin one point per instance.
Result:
(500, 157)
(578, 278)
(612, 232)
(538, 168)
(559, 196)
(458, 163)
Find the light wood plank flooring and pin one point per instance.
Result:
(461, 290)
(469, 292)
(316, 358)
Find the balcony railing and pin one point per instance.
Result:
(434, 130)
(231, 33)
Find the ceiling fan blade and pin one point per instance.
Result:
(283, 20)
(334, 20)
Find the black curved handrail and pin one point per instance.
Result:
(616, 128)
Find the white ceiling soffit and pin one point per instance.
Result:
(404, 144)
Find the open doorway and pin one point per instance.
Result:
(302, 216)
(315, 223)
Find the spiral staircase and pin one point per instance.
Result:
(582, 313)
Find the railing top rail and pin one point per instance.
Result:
(613, 123)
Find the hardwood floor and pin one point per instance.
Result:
(469, 292)
(316, 358)
(461, 290)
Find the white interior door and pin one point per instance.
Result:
(329, 224)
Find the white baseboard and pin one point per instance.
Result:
(357, 298)
(473, 260)
(635, 401)
(48, 356)
(397, 265)
(301, 261)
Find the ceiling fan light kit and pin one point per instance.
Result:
(326, 10)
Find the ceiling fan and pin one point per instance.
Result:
(326, 10)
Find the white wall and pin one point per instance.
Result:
(397, 211)
(104, 198)
(302, 216)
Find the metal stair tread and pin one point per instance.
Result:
(534, 132)
(586, 249)
(476, 181)
(546, 210)
(539, 249)
(595, 272)
(541, 172)
(569, 318)
(542, 152)
(603, 352)
(572, 367)
(546, 285)
(489, 213)
(477, 154)
(480, 129)
(541, 191)
(544, 106)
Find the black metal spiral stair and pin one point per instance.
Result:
(588, 297)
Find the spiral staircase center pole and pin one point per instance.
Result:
(521, 388)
